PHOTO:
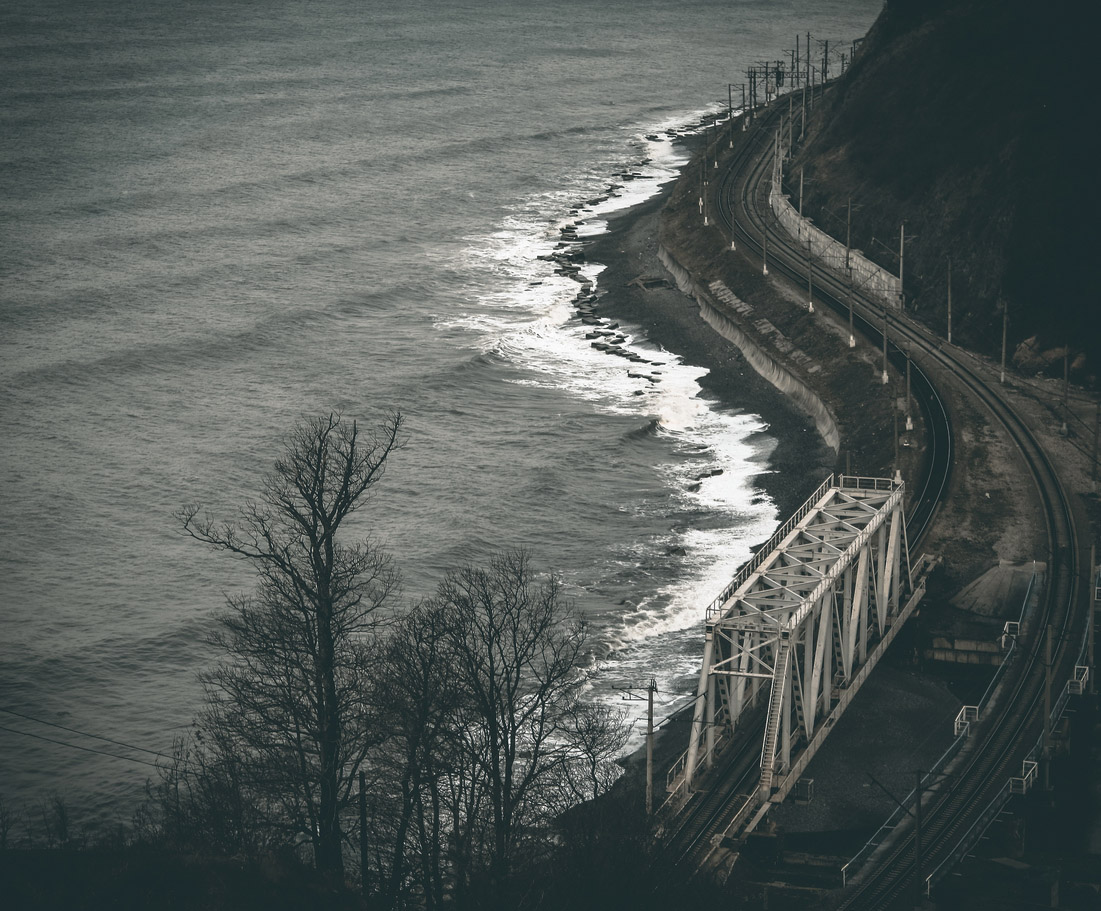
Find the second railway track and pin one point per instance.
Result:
(1011, 727)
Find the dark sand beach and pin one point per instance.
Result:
(629, 250)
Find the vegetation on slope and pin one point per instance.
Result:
(958, 117)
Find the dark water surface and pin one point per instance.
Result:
(215, 217)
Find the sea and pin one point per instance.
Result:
(218, 216)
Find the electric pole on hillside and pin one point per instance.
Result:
(826, 62)
(730, 108)
(791, 117)
(852, 336)
(803, 119)
(885, 377)
(1096, 435)
(848, 233)
(909, 416)
(901, 262)
(703, 189)
(1005, 333)
(810, 277)
(949, 300)
(651, 688)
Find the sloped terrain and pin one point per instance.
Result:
(960, 117)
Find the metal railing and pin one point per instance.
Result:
(842, 482)
(768, 547)
(880, 835)
(1015, 784)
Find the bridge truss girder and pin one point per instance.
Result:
(796, 627)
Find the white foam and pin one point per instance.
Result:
(526, 314)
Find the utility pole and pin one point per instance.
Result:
(894, 414)
(650, 690)
(1005, 333)
(800, 191)
(909, 418)
(809, 76)
(810, 277)
(885, 377)
(826, 62)
(744, 117)
(363, 855)
(949, 300)
(1096, 433)
(764, 252)
(798, 59)
(703, 183)
(848, 232)
(852, 337)
(730, 111)
(789, 123)
(901, 261)
(1066, 374)
(803, 119)
(628, 694)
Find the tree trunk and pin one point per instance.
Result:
(330, 857)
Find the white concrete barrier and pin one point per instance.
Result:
(866, 275)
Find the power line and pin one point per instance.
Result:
(78, 747)
(62, 727)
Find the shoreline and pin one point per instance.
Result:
(629, 250)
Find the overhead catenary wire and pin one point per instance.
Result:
(63, 727)
(76, 746)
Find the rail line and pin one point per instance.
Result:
(1000, 740)
(706, 814)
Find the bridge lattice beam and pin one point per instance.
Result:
(797, 625)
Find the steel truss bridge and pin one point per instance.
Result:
(797, 631)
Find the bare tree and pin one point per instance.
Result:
(517, 651)
(417, 700)
(288, 704)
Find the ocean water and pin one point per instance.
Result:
(218, 216)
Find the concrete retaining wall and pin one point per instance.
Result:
(755, 356)
(866, 274)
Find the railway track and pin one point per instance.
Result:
(1002, 739)
(707, 813)
(705, 816)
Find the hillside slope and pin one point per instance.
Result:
(959, 117)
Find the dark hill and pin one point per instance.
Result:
(967, 120)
